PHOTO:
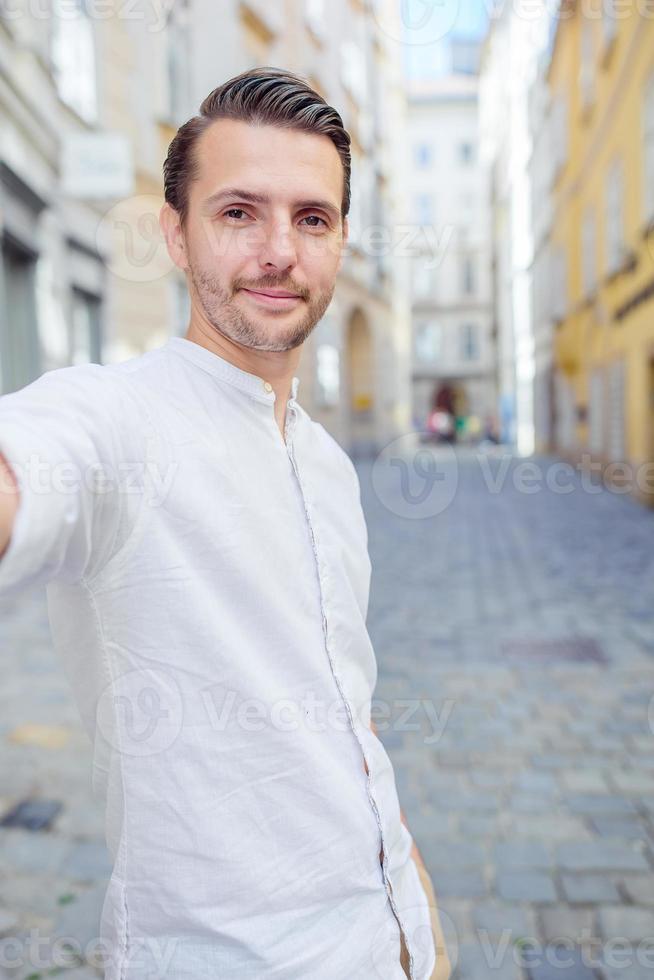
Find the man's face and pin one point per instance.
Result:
(264, 214)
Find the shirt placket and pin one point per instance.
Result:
(289, 428)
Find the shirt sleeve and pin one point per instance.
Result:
(66, 439)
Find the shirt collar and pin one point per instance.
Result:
(217, 365)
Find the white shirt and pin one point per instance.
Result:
(207, 585)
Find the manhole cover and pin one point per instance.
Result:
(574, 649)
(32, 814)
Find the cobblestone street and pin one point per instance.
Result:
(517, 630)
(514, 632)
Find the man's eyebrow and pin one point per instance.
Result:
(249, 197)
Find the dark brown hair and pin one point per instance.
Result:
(260, 96)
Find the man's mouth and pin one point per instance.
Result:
(273, 297)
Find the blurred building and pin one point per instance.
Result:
(601, 88)
(453, 350)
(89, 102)
(53, 282)
(544, 163)
(510, 58)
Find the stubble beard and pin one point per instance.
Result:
(222, 312)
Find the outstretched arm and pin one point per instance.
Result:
(8, 503)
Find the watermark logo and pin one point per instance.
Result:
(129, 233)
(141, 712)
(416, 22)
(415, 483)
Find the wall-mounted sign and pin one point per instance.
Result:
(97, 165)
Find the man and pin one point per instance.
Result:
(208, 585)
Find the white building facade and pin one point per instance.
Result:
(85, 264)
(452, 327)
(517, 34)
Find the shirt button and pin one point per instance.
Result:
(267, 385)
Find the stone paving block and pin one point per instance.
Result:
(535, 782)
(558, 963)
(640, 888)
(30, 892)
(490, 778)
(530, 802)
(602, 855)
(459, 884)
(628, 828)
(551, 760)
(584, 781)
(497, 918)
(87, 860)
(630, 970)
(584, 889)
(632, 781)
(560, 922)
(599, 803)
(479, 962)
(482, 825)
(628, 922)
(555, 826)
(453, 855)
(80, 919)
(33, 851)
(521, 855)
(526, 886)
(8, 922)
(477, 801)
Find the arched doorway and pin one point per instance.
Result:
(359, 381)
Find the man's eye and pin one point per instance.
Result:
(234, 211)
(317, 217)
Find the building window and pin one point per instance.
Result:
(19, 332)
(608, 22)
(614, 217)
(469, 342)
(559, 124)
(429, 340)
(466, 152)
(589, 253)
(617, 446)
(424, 209)
(423, 283)
(86, 329)
(468, 283)
(178, 66)
(648, 137)
(314, 12)
(328, 374)
(73, 57)
(559, 280)
(587, 62)
(353, 71)
(596, 403)
(423, 155)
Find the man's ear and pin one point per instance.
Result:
(346, 235)
(171, 229)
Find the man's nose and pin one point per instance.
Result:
(279, 247)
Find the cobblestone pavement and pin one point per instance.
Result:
(514, 633)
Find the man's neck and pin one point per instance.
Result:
(275, 367)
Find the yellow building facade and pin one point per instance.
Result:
(601, 84)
